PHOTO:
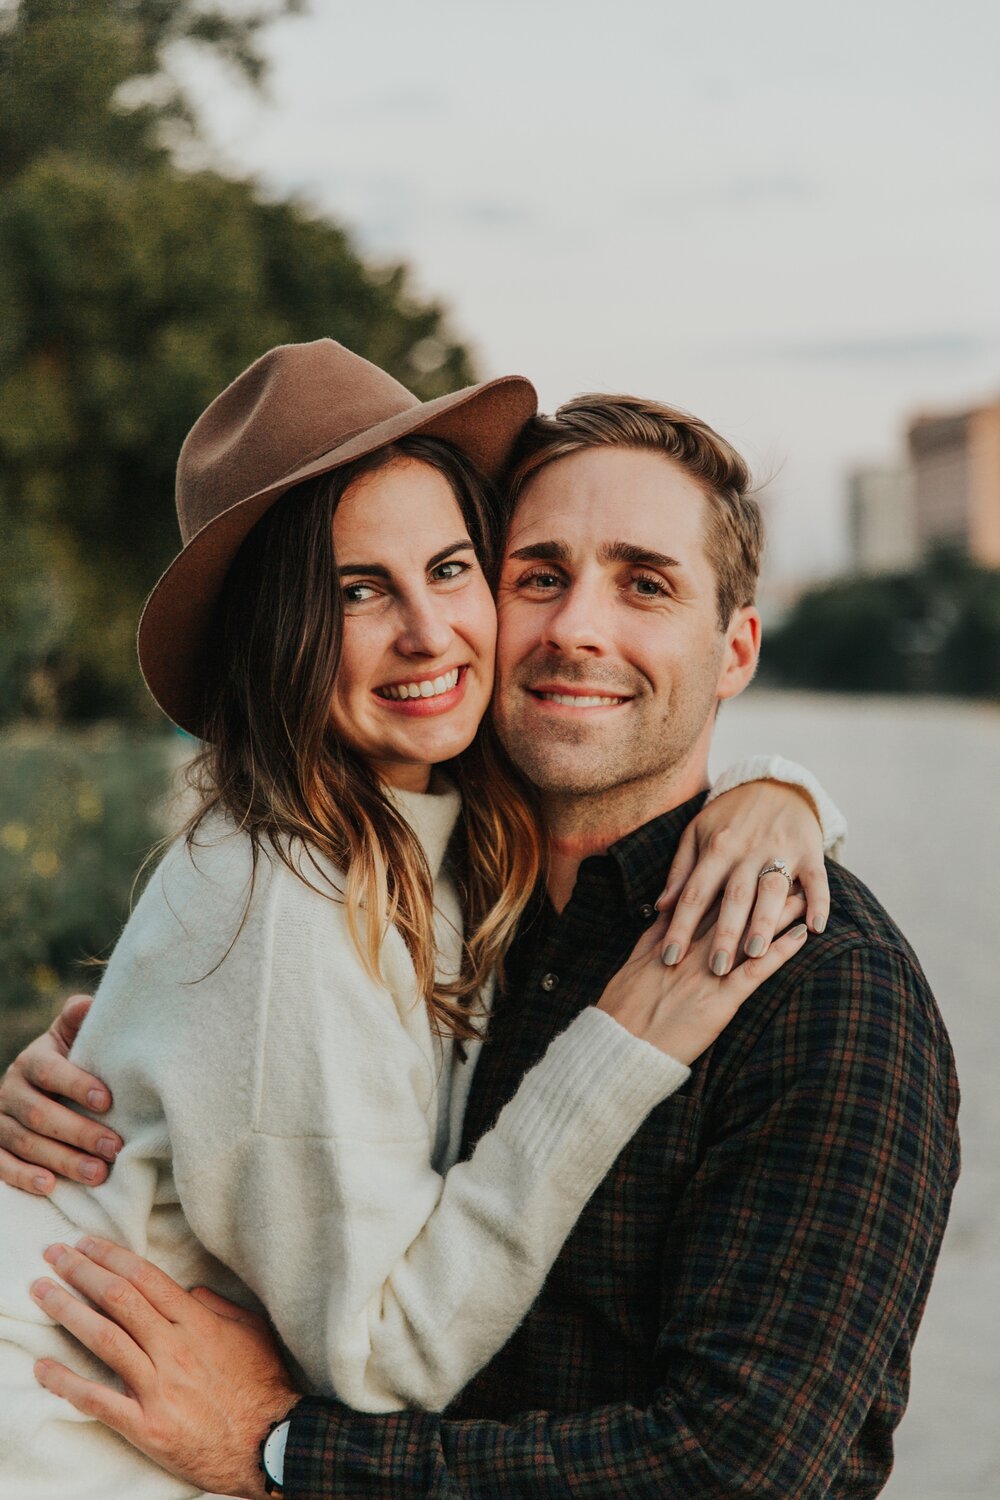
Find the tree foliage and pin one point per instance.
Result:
(131, 293)
(936, 630)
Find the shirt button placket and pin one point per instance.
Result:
(549, 982)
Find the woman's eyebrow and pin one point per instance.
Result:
(378, 570)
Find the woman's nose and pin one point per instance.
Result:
(426, 628)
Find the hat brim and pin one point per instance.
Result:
(177, 624)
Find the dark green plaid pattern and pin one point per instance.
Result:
(734, 1311)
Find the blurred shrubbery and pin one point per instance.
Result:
(934, 630)
(78, 813)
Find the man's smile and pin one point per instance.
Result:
(576, 696)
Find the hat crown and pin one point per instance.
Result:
(294, 403)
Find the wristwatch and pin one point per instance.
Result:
(272, 1455)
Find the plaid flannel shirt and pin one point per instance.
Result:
(734, 1312)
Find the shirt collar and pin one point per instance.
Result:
(644, 856)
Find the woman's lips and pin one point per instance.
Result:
(438, 700)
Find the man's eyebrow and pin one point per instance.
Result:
(642, 557)
(376, 570)
(552, 551)
(621, 552)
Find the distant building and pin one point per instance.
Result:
(881, 520)
(956, 482)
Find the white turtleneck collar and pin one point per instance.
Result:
(432, 815)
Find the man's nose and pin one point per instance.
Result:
(576, 624)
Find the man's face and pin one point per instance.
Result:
(610, 656)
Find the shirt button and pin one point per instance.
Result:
(550, 981)
(647, 910)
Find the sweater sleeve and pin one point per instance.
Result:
(389, 1284)
(832, 822)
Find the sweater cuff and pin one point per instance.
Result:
(576, 1109)
(832, 822)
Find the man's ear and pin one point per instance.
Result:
(742, 650)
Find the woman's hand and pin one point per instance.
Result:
(719, 859)
(682, 1008)
(203, 1379)
(40, 1139)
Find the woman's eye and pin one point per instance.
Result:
(357, 593)
(453, 569)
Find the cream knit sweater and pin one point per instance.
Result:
(289, 1129)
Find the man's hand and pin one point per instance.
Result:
(40, 1139)
(720, 857)
(203, 1378)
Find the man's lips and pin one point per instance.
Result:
(576, 696)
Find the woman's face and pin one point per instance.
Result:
(416, 671)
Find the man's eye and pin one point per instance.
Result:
(541, 579)
(650, 588)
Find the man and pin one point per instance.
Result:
(734, 1312)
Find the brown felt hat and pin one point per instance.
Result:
(297, 412)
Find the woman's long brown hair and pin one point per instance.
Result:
(275, 765)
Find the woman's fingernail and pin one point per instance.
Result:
(40, 1183)
(90, 1170)
(755, 947)
(720, 962)
(820, 923)
(85, 1245)
(799, 931)
(41, 1289)
(54, 1254)
(671, 954)
(97, 1100)
(107, 1148)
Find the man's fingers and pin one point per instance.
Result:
(135, 1292)
(109, 1343)
(223, 1308)
(89, 1396)
(133, 1315)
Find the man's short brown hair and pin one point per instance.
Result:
(734, 536)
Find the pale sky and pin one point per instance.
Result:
(782, 216)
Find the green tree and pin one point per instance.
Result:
(936, 629)
(131, 293)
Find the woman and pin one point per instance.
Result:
(289, 1016)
